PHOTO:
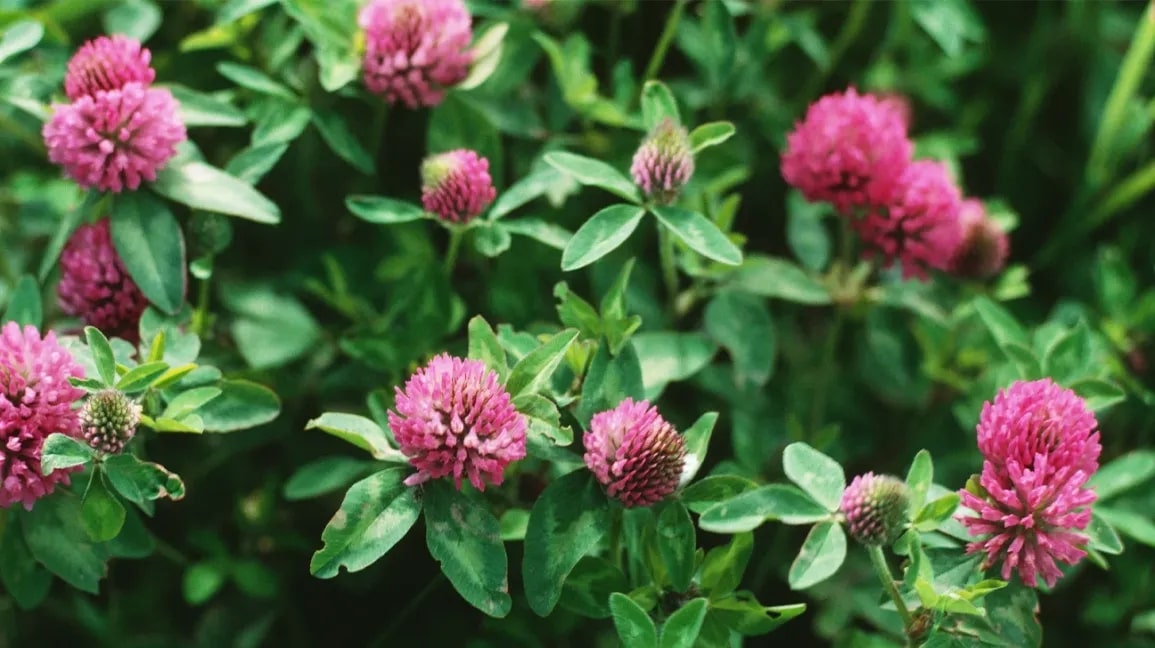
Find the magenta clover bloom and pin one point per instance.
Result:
(875, 507)
(107, 63)
(983, 247)
(415, 49)
(95, 286)
(456, 186)
(1040, 446)
(635, 453)
(35, 401)
(453, 418)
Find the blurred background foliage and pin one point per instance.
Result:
(1045, 110)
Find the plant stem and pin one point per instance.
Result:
(669, 267)
(850, 30)
(826, 371)
(663, 46)
(378, 132)
(413, 604)
(616, 538)
(455, 236)
(201, 315)
(883, 570)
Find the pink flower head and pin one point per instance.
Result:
(635, 453)
(849, 150)
(415, 49)
(1041, 445)
(107, 63)
(115, 138)
(919, 225)
(983, 246)
(875, 507)
(456, 185)
(95, 286)
(664, 162)
(35, 401)
(454, 418)
(108, 420)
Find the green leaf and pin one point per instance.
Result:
(1123, 474)
(723, 566)
(272, 328)
(62, 451)
(324, 475)
(594, 173)
(375, 515)
(203, 186)
(241, 405)
(919, 478)
(200, 109)
(1001, 324)
(20, 36)
(56, 539)
(68, 223)
(486, 54)
(466, 539)
(710, 134)
(1102, 537)
(603, 233)
(188, 402)
(1133, 525)
(821, 555)
(668, 357)
(138, 19)
(567, 522)
(149, 242)
(514, 522)
(635, 628)
(101, 355)
(748, 617)
(820, 476)
(697, 438)
(705, 493)
(483, 345)
(532, 372)
(658, 104)
(541, 231)
(201, 581)
(935, 513)
(255, 80)
(336, 133)
(741, 323)
(699, 233)
(252, 163)
(357, 430)
(141, 377)
(101, 513)
(608, 381)
(491, 239)
(677, 543)
(383, 211)
(22, 577)
(682, 628)
(747, 511)
(523, 191)
(588, 588)
(950, 23)
(780, 279)
(24, 305)
(805, 232)
(1099, 394)
(142, 481)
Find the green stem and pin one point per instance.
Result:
(853, 25)
(378, 130)
(201, 314)
(669, 267)
(616, 538)
(414, 603)
(663, 46)
(455, 236)
(883, 570)
(825, 372)
(1131, 74)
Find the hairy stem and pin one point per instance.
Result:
(669, 267)
(883, 570)
(455, 236)
(663, 46)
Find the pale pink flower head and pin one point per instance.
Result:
(849, 150)
(664, 162)
(107, 63)
(115, 139)
(983, 247)
(455, 419)
(635, 453)
(919, 226)
(875, 507)
(415, 49)
(35, 401)
(456, 186)
(108, 420)
(95, 286)
(1040, 445)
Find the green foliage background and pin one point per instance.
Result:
(325, 307)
